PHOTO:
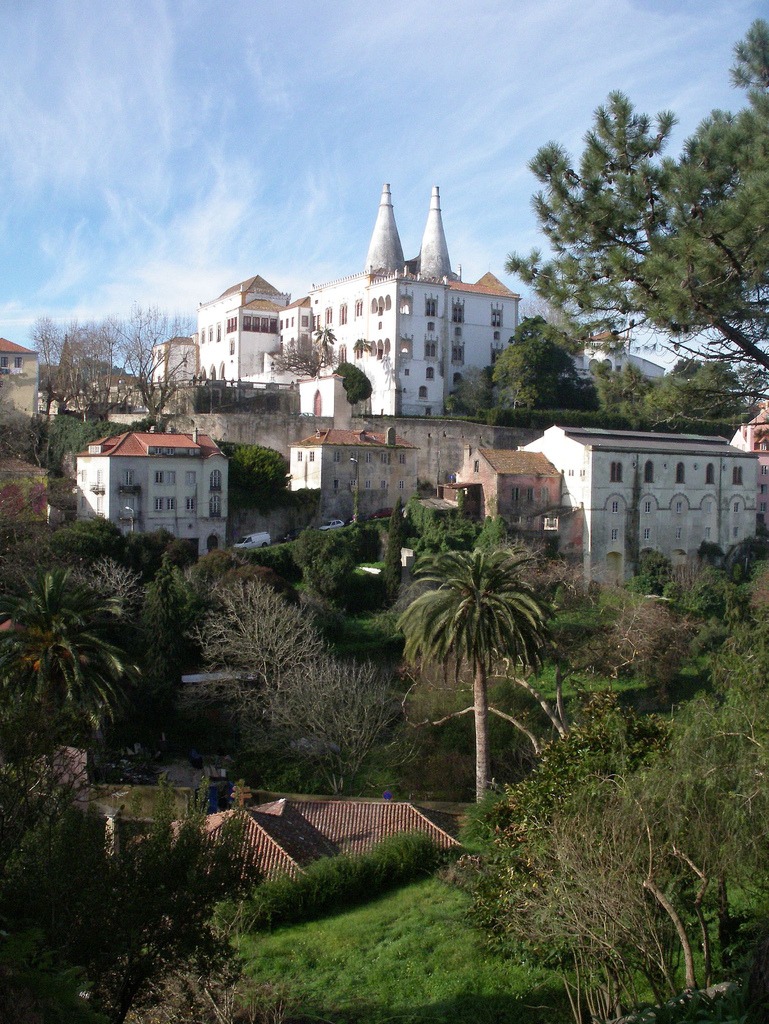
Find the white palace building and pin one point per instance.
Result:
(413, 326)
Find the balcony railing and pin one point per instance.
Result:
(129, 488)
(97, 488)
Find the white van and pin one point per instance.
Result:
(253, 540)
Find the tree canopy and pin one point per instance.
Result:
(675, 245)
(355, 382)
(536, 372)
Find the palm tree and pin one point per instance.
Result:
(56, 647)
(481, 612)
(325, 339)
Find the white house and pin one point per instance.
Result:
(151, 481)
(413, 326)
(646, 491)
(374, 468)
(19, 378)
(238, 331)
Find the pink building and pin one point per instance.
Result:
(754, 437)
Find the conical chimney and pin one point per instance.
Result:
(434, 262)
(385, 252)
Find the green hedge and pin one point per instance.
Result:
(335, 883)
(279, 557)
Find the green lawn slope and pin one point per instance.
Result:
(411, 957)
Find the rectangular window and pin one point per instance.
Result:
(764, 470)
(189, 477)
(343, 314)
(762, 488)
(158, 476)
(170, 476)
(232, 346)
(368, 456)
(431, 307)
(678, 533)
(189, 504)
(128, 477)
(679, 507)
(762, 507)
(402, 458)
(615, 534)
(647, 533)
(337, 457)
(299, 456)
(170, 504)
(305, 321)
(358, 307)
(647, 506)
(477, 466)
(312, 456)
(544, 494)
(496, 318)
(368, 485)
(382, 485)
(158, 504)
(707, 533)
(615, 506)
(707, 506)
(18, 362)
(457, 312)
(384, 458)
(735, 532)
(736, 507)
(401, 485)
(336, 485)
(514, 495)
(530, 494)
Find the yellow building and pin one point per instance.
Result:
(18, 378)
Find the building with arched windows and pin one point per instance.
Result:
(150, 481)
(641, 492)
(411, 325)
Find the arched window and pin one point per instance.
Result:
(423, 392)
(429, 373)
(342, 353)
(710, 474)
(373, 305)
(317, 404)
(680, 473)
(649, 472)
(737, 475)
(222, 373)
(215, 481)
(615, 473)
(388, 302)
(387, 347)
(213, 373)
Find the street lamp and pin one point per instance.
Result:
(355, 493)
(131, 513)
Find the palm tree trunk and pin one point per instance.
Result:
(482, 758)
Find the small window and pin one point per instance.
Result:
(189, 477)
(383, 485)
(615, 473)
(430, 373)
(214, 506)
(368, 485)
(737, 475)
(679, 507)
(170, 504)
(678, 533)
(189, 504)
(707, 533)
(299, 456)
(312, 456)
(337, 457)
(736, 507)
(336, 485)
(647, 506)
(649, 472)
(216, 480)
(368, 457)
(615, 506)
(402, 458)
(423, 392)
(615, 534)
(158, 504)
(680, 473)
(158, 476)
(647, 533)
(709, 474)
(477, 466)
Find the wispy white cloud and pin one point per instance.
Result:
(154, 152)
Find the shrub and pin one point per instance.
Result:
(279, 558)
(334, 883)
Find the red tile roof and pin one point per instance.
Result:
(252, 284)
(264, 304)
(11, 346)
(358, 438)
(286, 835)
(487, 285)
(132, 443)
(512, 461)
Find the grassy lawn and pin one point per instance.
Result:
(410, 957)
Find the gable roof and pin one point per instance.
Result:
(287, 835)
(139, 443)
(356, 438)
(251, 284)
(487, 285)
(11, 346)
(513, 461)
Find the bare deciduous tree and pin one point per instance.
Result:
(146, 328)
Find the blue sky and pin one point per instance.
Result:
(157, 152)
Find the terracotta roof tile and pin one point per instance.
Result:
(487, 285)
(265, 304)
(135, 443)
(11, 346)
(513, 461)
(252, 284)
(357, 438)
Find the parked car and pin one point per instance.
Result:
(332, 524)
(291, 535)
(383, 513)
(253, 540)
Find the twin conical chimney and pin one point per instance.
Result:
(385, 253)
